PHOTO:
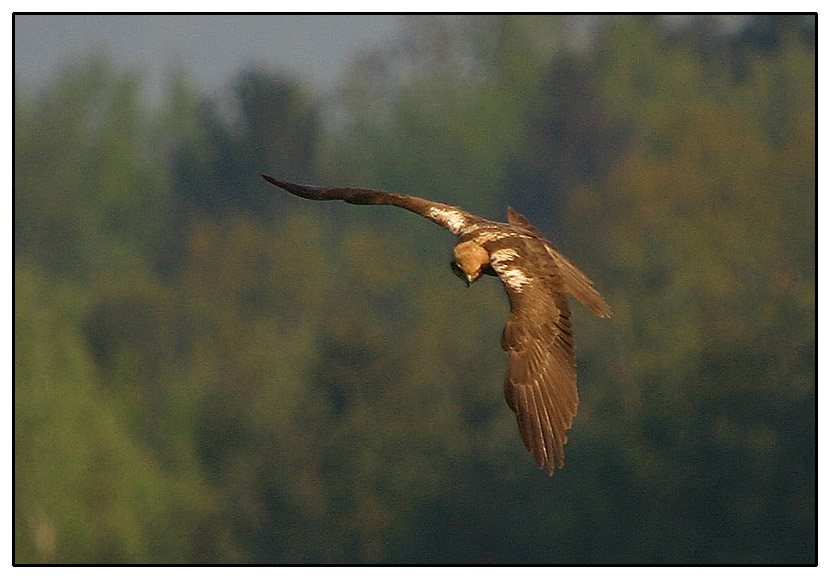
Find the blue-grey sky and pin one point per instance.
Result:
(209, 48)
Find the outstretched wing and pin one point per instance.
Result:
(576, 283)
(453, 218)
(540, 386)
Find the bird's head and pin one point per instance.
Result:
(469, 260)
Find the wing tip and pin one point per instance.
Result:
(305, 191)
(271, 180)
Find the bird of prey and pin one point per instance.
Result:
(540, 386)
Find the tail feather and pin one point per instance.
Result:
(580, 285)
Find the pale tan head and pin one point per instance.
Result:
(469, 260)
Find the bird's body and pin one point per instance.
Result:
(540, 386)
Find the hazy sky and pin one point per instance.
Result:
(209, 48)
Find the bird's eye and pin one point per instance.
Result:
(457, 270)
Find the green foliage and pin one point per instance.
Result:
(208, 371)
(85, 490)
(449, 122)
(707, 223)
(87, 197)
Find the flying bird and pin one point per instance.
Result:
(540, 386)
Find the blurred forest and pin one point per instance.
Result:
(208, 370)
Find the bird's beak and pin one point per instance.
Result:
(468, 279)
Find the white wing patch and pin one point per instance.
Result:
(502, 255)
(485, 236)
(501, 261)
(452, 219)
(513, 276)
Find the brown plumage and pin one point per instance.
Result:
(540, 386)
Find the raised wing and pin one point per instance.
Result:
(453, 218)
(540, 386)
(576, 283)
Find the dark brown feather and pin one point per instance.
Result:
(519, 220)
(453, 218)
